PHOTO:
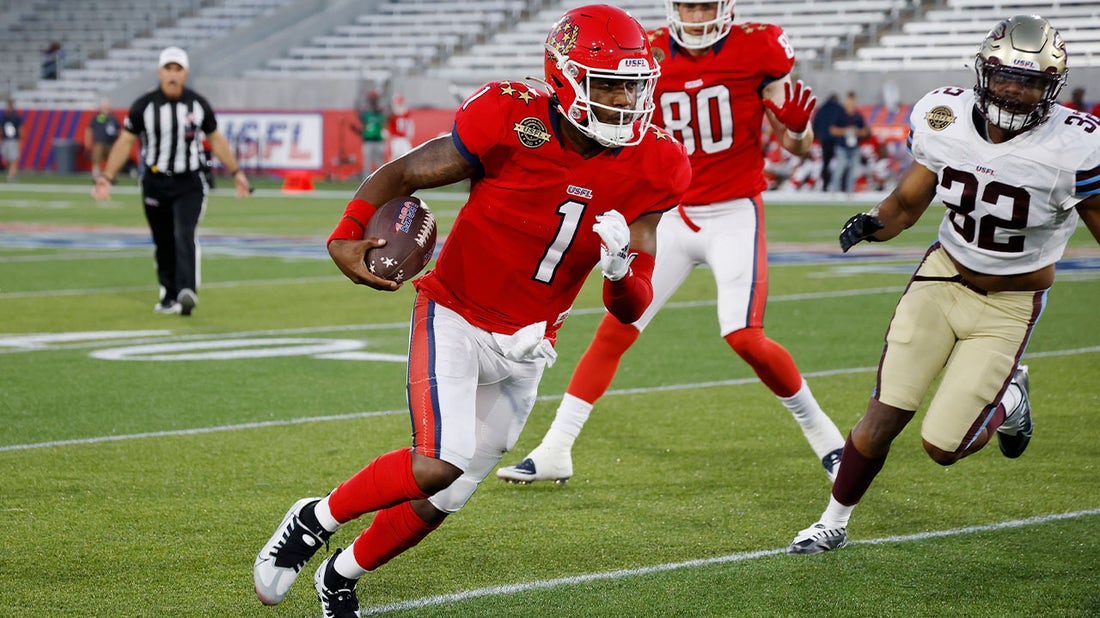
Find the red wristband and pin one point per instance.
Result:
(354, 221)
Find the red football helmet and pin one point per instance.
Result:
(593, 50)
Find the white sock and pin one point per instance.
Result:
(1010, 400)
(836, 514)
(819, 429)
(324, 516)
(346, 565)
(570, 419)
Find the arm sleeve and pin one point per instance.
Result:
(134, 122)
(209, 122)
(628, 298)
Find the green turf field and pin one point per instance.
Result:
(144, 459)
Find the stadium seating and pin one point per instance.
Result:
(817, 30)
(400, 36)
(108, 49)
(946, 38)
(467, 42)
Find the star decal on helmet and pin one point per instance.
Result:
(564, 36)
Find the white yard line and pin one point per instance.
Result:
(573, 580)
(555, 397)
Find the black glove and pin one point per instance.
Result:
(859, 227)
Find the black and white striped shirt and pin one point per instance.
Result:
(171, 130)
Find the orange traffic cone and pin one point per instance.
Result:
(297, 181)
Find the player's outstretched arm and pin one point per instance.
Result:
(789, 108)
(432, 164)
(897, 212)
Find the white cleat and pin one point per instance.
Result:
(818, 538)
(540, 465)
(285, 553)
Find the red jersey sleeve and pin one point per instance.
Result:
(772, 49)
(478, 127)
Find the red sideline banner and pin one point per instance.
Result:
(324, 142)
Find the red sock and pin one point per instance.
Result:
(771, 362)
(855, 474)
(600, 361)
(386, 481)
(393, 531)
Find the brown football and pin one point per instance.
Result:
(408, 226)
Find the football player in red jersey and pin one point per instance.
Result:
(562, 181)
(719, 80)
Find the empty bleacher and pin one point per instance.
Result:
(113, 40)
(947, 38)
(399, 37)
(817, 30)
(110, 44)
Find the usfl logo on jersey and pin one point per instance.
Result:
(939, 117)
(532, 132)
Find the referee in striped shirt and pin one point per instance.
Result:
(170, 122)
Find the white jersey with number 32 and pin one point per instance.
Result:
(1010, 206)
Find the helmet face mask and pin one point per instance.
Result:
(713, 30)
(601, 70)
(1021, 68)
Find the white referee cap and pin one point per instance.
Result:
(173, 54)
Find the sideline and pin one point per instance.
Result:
(673, 566)
(340, 417)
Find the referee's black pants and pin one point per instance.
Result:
(174, 205)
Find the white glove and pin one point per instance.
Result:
(615, 256)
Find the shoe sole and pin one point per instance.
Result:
(816, 548)
(517, 481)
(187, 301)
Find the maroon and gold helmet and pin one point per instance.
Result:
(1028, 51)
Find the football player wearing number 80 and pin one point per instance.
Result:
(563, 180)
(1015, 171)
(719, 81)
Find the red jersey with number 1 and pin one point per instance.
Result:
(522, 245)
(713, 104)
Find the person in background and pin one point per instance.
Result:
(1017, 172)
(170, 121)
(825, 117)
(100, 135)
(399, 128)
(848, 130)
(52, 58)
(371, 129)
(563, 181)
(11, 146)
(739, 74)
(1076, 101)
